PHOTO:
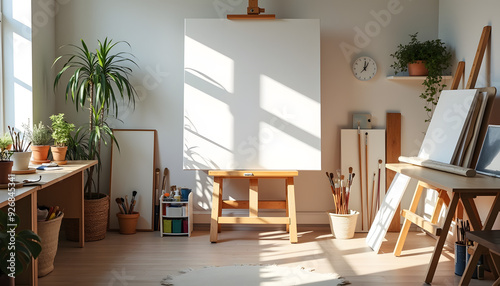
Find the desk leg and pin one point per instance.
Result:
(291, 209)
(442, 238)
(216, 199)
(407, 223)
(287, 212)
(34, 227)
(221, 194)
(253, 197)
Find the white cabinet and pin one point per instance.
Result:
(176, 217)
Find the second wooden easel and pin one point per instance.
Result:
(443, 198)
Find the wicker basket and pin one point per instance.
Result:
(96, 220)
(49, 233)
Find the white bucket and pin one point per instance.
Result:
(343, 225)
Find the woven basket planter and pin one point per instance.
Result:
(96, 220)
(49, 233)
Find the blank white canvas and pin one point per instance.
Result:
(349, 158)
(447, 125)
(132, 169)
(252, 94)
(387, 211)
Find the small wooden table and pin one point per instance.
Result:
(463, 189)
(253, 204)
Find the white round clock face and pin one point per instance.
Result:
(364, 68)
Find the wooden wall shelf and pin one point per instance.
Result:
(394, 77)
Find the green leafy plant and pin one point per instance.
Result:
(24, 244)
(61, 130)
(5, 142)
(98, 81)
(41, 134)
(437, 59)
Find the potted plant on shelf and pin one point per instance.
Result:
(40, 138)
(98, 82)
(61, 133)
(27, 245)
(5, 162)
(429, 58)
(20, 156)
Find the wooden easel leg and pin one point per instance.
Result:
(442, 199)
(287, 212)
(291, 209)
(407, 222)
(216, 206)
(442, 238)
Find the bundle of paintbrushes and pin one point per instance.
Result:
(341, 190)
(124, 206)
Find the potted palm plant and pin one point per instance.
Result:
(61, 133)
(429, 58)
(40, 138)
(5, 162)
(27, 245)
(98, 82)
(20, 148)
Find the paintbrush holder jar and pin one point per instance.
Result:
(343, 225)
(127, 222)
(459, 258)
(21, 161)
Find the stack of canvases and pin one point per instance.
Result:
(49, 224)
(458, 125)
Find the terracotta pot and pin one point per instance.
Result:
(21, 161)
(59, 154)
(40, 154)
(5, 170)
(128, 222)
(417, 69)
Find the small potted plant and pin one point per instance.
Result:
(40, 138)
(61, 133)
(5, 162)
(429, 58)
(20, 147)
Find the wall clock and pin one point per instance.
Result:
(364, 68)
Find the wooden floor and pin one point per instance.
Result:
(145, 258)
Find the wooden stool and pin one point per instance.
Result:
(253, 204)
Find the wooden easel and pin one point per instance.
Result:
(253, 12)
(443, 198)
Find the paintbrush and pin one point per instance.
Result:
(123, 205)
(134, 193)
(119, 202)
(126, 204)
(132, 205)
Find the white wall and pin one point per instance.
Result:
(154, 28)
(43, 39)
(460, 24)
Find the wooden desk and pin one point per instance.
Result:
(63, 187)
(253, 204)
(461, 188)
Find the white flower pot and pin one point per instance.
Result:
(343, 225)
